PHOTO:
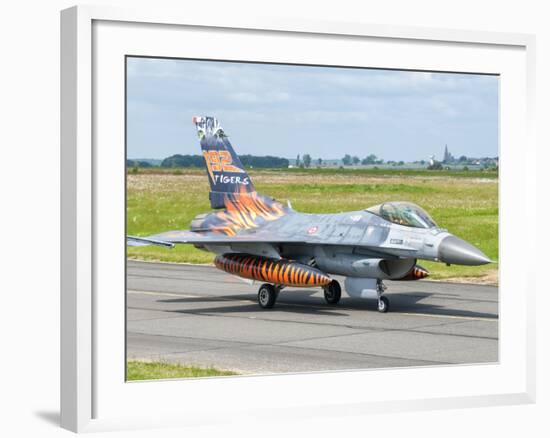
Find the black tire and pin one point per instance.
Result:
(267, 295)
(333, 292)
(383, 304)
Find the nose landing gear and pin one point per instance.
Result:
(383, 302)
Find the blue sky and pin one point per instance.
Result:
(327, 112)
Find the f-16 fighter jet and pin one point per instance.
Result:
(258, 238)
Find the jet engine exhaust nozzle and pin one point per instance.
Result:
(455, 251)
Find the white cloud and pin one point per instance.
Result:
(262, 97)
(327, 100)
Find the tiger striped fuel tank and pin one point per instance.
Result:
(416, 273)
(282, 272)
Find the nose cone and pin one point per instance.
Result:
(455, 251)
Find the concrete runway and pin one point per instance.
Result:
(202, 316)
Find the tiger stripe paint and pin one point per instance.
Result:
(420, 272)
(281, 272)
(416, 273)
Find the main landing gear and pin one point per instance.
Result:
(267, 295)
(333, 292)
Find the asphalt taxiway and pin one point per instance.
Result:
(199, 315)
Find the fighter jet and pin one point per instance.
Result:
(257, 238)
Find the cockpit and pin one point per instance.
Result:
(404, 213)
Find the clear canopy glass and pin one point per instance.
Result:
(404, 213)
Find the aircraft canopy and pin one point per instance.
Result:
(404, 213)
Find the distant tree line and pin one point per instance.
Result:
(306, 161)
(267, 161)
(348, 160)
(138, 163)
(247, 160)
(183, 161)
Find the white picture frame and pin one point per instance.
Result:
(93, 396)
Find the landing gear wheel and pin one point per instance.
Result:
(333, 292)
(267, 295)
(383, 304)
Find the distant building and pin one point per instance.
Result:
(447, 156)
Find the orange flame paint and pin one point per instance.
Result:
(246, 210)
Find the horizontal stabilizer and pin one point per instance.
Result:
(144, 241)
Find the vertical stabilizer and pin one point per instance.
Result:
(226, 174)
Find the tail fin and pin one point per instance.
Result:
(226, 174)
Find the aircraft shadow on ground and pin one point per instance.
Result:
(411, 302)
(303, 302)
(297, 302)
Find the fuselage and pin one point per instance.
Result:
(356, 243)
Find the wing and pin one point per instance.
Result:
(171, 238)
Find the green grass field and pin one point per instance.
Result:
(139, 370)
(465, 203)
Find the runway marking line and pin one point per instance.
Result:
(169, 294)
(163, 294)
(432, 315)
